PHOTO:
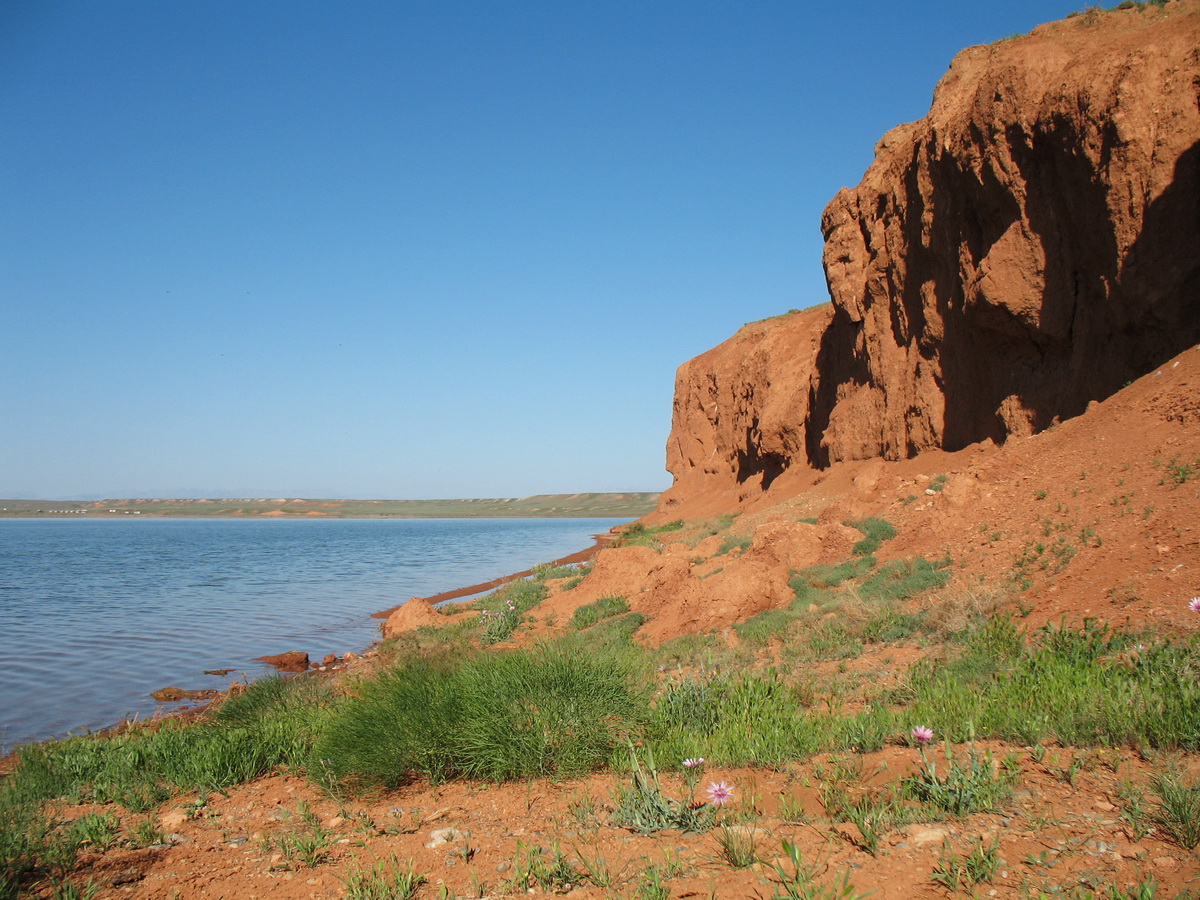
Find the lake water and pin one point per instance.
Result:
(94, 615)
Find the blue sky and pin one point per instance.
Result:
(415, 249)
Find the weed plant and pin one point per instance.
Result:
(760, 630)
(1179, 809)
(747, 720)
(532, 871)
(801, 883)
(549, 571)
(961, 873)
(643, 807)
(969, 785)
(307, 842)
(390, 880)
(734, 542)
(903, 579)
(812, 584)
(737, 846)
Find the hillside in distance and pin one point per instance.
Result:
(586, 505)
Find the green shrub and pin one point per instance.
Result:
(399, 722)
(496, 716)
(603, 608)
(745, 720)
(549, 571)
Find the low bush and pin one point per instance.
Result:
(495, 716)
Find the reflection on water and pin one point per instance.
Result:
(94, 615)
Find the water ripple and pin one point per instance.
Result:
(95, 615)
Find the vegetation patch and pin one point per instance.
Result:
(640, 535)
(495, 716)
(875, 532)
(603, 608)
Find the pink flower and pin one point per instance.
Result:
(1194, 606)
(922, 734)
(693, 761)
(719, 793)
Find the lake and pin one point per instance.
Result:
(96, 614)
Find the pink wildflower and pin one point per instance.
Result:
(922, 734)
(693, 761)
(719, 793)
(1194, 606)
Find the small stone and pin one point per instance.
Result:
(923, 834)
(503, 866)
(237, 841)
(440, 836)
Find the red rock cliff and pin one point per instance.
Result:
(1029, 246)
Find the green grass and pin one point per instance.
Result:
(503, 610)
(494, 716)
(604, 608)
(386, 880)
(903, 579)
(1084, 687)
(640, 535)
(875, 532)
(734, 542)
(572, 705)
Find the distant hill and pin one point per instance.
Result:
(614, 505)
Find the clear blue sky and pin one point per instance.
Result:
(415, 249)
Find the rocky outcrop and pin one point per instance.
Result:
(1031, 245)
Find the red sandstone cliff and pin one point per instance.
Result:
(1031, 245)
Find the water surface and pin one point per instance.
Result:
(96, 614)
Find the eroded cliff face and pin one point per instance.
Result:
(1031, 245)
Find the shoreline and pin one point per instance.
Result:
(199, 708)
(600, 541)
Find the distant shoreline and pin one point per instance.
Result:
(588, 505)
